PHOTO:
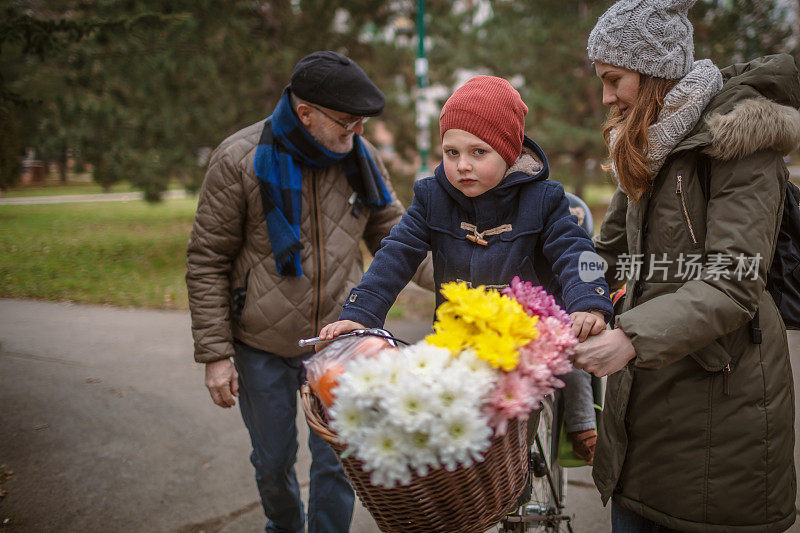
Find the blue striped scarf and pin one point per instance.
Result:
(284, 147)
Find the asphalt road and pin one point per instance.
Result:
(105, 426)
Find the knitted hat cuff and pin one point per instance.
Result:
(505, 142)
(492, 110)
(643, 65)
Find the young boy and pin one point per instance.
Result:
(488, 214)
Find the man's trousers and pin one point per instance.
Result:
(268, 386)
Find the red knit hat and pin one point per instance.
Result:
(492, 110)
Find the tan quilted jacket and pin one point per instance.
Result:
(229, 249)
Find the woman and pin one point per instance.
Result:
(697, 431)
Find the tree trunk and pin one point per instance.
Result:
(62, 169)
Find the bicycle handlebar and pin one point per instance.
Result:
(374, 332)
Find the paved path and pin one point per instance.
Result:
(72, 198)
(106, 426)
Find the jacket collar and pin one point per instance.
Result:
(530, 166)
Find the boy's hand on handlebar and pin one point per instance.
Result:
(334, 329)
(586, 324)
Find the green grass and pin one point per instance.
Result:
(55, 187)
(126, 254)
(118, 253)
(58, 188)
(596, 193)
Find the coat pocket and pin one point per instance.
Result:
(712, 358)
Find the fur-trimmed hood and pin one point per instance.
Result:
(754, 124)
(757, 109)
(527, 162)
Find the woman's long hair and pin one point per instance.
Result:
(629, 154)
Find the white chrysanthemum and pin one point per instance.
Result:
(392, 365)
(480, 368)
(382, 452)
(365, 371)
(421, 452)
(413, 410)
(349, 419)
(425, 359)
(412, 403)
(361, 381)
(464, 436)
(458, 388)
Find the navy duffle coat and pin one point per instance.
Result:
(531, 234)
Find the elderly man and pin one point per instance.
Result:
(273, 253)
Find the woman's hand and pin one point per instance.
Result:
(334, 329)
(604, 354)
(587, 323)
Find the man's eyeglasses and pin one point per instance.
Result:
(348, 126)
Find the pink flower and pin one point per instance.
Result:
(515, 396)
(552, 348)
(535, 300)
(540, 361)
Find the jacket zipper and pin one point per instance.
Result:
(317, 250)
(726, 377)
(679, 192)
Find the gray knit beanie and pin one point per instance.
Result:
(652, 37)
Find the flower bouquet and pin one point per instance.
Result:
(445, 418)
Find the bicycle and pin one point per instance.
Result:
(544, 499)
(544, 511)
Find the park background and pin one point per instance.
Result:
(129, 97)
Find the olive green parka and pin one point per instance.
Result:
(697, 431)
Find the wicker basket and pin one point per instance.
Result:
(466, 500)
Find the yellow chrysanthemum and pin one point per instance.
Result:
(500, 351)
(495, 326)
(450, 333)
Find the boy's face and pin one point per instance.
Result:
(471, 165)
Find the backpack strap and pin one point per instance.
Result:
(755, 329)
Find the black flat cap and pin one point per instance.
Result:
(335, 81)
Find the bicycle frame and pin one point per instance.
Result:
(542, 516)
